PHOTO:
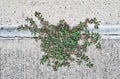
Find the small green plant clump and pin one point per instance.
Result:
(61, 43)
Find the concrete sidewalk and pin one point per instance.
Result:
(13, 12)
(19, 59)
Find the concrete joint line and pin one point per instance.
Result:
(106, 31)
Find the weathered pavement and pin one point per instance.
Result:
(19, 59)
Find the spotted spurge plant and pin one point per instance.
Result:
(61, 43)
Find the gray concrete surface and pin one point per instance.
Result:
(19, 59)
(13, 12)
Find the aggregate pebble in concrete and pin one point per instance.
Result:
(19, 59)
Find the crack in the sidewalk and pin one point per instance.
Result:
(13, 33)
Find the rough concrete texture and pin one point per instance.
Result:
(20, 60)
(13, 12)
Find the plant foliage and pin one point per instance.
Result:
(61, 43)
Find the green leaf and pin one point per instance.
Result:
(79, 61)
(81, 26)
(89, 64)
(98, 45)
